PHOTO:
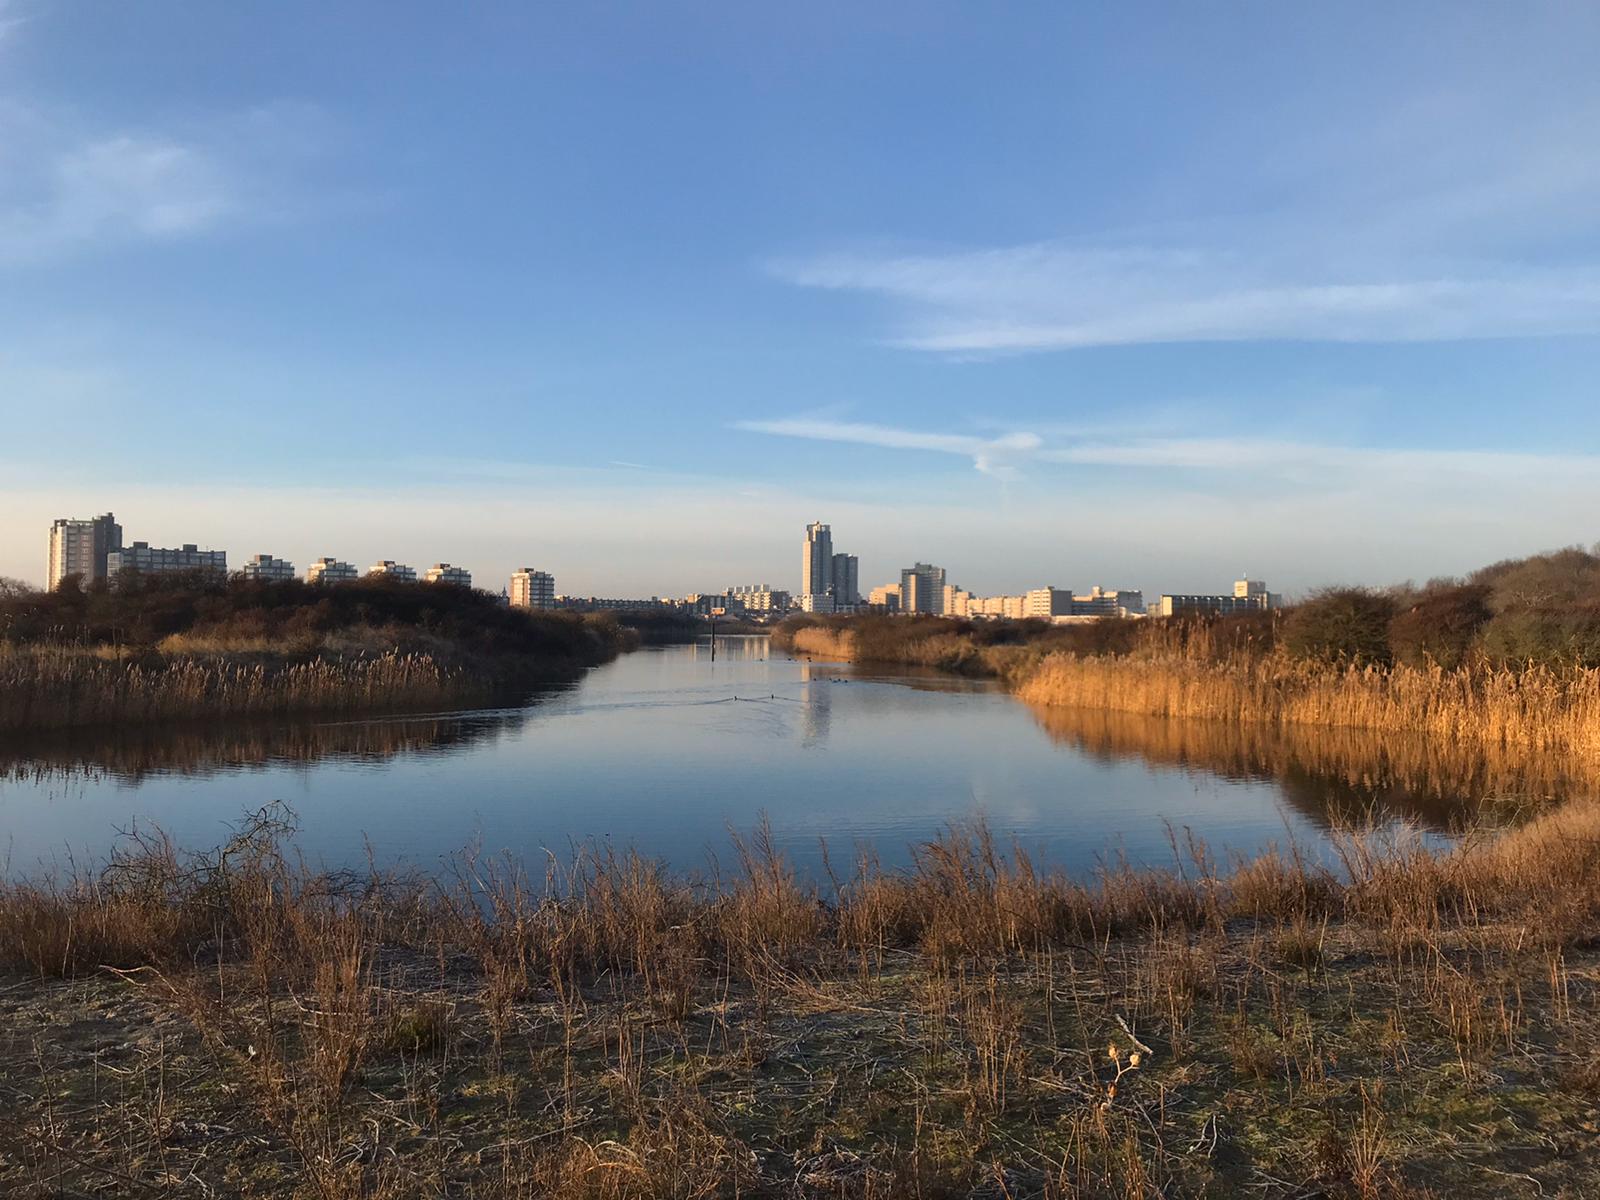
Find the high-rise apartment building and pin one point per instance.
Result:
(443, 572)
(81, 548)
(846, 577)
(330, 570)
(156, 560)
(264, 566)
(387, 568)
(922, 589)
(816, 569)
(533, 589)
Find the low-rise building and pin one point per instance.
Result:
(533, 589)
(1101, 603)
(1047, 602)
(885, 599)
(763, 597)
(387, 568)
(146, 559)
(609, 604)
(330, 570)
(1249, 595)
(444, 573)
(264, 566)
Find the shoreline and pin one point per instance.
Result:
(975, 1019)
(1534, 710)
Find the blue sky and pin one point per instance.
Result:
(1139, 295)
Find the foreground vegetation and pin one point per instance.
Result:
(1509, 658)
(1415, 1024)
(156, 649)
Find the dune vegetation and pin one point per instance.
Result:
(1411, 1022)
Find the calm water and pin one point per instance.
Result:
(666, 749)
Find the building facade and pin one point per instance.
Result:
(264, 566)
(816, 569)
(846, 580)
(146, 559)
(443, 572)
(330, 570)
(387, 568)
(533, 589)
(1123, 602)
(922, 589)
(1249, 595)
(82, 548)
(610, 604)
(762, 598)
(885, 599)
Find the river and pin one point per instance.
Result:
(668, 749)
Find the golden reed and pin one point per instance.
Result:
(1528, 709)
(1524, 709)
(61, 689)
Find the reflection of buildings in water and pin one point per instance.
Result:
(816, 703)
(1334, 777)
(132, 754)
(733, 647)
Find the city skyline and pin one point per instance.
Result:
(1037, 289)
(94, 549)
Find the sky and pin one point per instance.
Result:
(1138, 295)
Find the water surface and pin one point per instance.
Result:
(668, 748)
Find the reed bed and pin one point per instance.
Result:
(1217, 672)
(61, 688)
(1417, 1022)
(1536, 709)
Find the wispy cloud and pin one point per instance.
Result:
(1051, 296)
(993, 456)
(65, 188)
(1334, 465)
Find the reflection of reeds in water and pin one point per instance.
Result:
(1333, 775)
(134, 753)
(60, 689)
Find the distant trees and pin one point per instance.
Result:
(141, 611)
(1442, 624)
(1348, 625)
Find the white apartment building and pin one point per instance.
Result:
(264, 566)
(762, 597)
(330, 570)
(1101, 603)
(443, 572)
(81, 548)
(1249, 595)
(533, 589)
(886, 598)
(389, 569)
(156, 560)
(1047, 602)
